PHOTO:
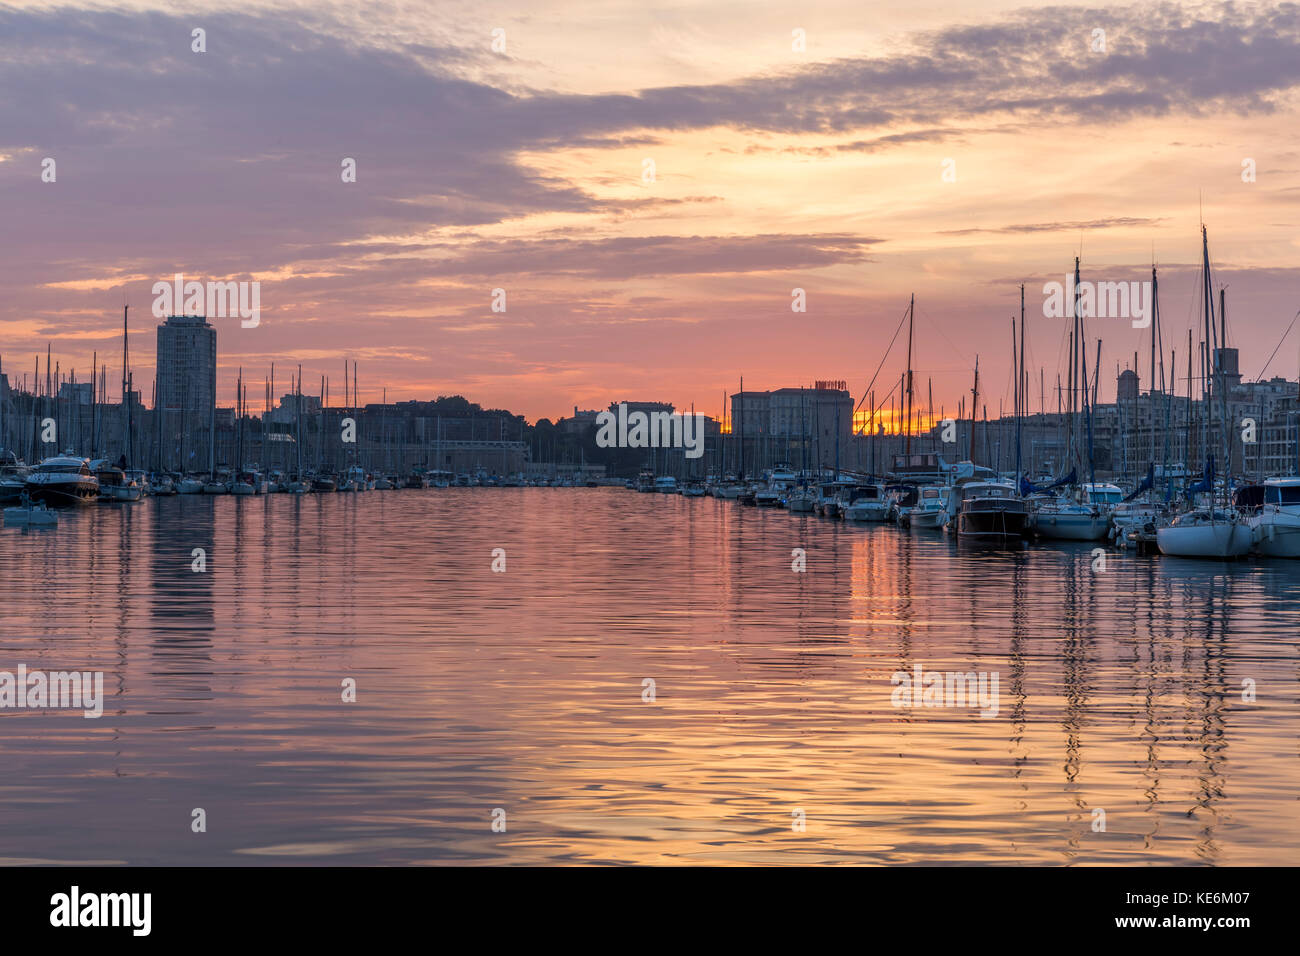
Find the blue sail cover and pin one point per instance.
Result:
(1027, 487)
(1147, 482)
(1206, 483)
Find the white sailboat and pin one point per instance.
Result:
(1208, 532)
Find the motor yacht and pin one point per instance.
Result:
(1276, 527)
(987, 512)
(63, 480)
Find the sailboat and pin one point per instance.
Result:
(1054, 515)
(1211, 531)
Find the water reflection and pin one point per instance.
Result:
(1121, 689)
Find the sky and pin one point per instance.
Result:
(948, 150)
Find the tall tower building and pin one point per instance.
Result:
(187, 389)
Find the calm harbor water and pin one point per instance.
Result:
(1120, 690)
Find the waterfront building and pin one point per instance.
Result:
(186, 386)
(792, 425)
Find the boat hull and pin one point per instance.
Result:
(120, 492)
(926, 519)
(40, 517)
(992, 525)
(874, 512)
(1071, 527)
(64, 493)
(1278, 535)
(1225, 540)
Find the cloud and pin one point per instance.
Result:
(1116, 222)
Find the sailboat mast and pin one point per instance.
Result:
(1021, 381)
(741, 473)
(1207, 383)
(126, 397)
(911, 321)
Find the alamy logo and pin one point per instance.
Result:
(36, 690)
(655, 430)
(211, 299)
(1101, 300)
(946, 689)
(103, 909)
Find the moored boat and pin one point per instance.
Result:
(1276, 526)
(114, 485)
(801, 499)
(988, 512)
(1054, 516)
(31, 513)
(1206, 533)
(13, 477)
(63, 480)
(864, 502)
(928, 511)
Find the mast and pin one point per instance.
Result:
(911, 321)
(1208, 386)
(212, 438)
(239, 420)
(1187, 440)
(185, 423)
(297, 408)
(974, 404)
(1151, 384)
(929, 405)
(741, 473)
(130, 385)
(157, 455)
(126, 408)
(1073, 378)
(320, 438)
(1020, 391)
(803, 437)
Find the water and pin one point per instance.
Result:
(1120, 690)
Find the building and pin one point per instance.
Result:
(794, 425)
(187, 384)
(579, 423)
